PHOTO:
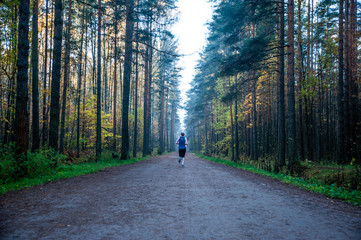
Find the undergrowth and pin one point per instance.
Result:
(330, 190)
(47, 165)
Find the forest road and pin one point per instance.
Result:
(158, 199)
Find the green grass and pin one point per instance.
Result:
(64, 171)
(332, 191)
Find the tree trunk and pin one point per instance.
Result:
(311, 41)
(93, 40)
(145, 109)
(166, 126)
(300, 81)
(346, 87)
(35, 85)
(232, 127)
(172, 138)
(11, 79)
(150, 100)
(79, 83)
(147, 92)
(308, 38)
(292, 153)
(236, 120)
(105, 76)
(135, 135)
(255, 123)
(161, 122)
(99, 104)
(126, 77)
(355, 104)
(85, 74)
(21, 111)
(55, 83)
(281, 88)
(340, 99)
(205, 126)
(115, 78)
(66, 78)
(45, 115)
(10, 105)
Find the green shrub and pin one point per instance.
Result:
(38, 164)
(8, 165)
(32, 165)
(52, 155)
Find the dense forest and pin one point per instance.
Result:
(279, 83)
(81, 76)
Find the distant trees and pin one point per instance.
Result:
(85, 93)
(247, 50)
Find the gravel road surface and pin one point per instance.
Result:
(158, 199)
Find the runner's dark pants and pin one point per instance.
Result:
(182, 152)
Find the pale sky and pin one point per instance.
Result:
(191, 32)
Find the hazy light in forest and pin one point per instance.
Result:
(191, 32)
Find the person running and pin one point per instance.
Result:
(182, 142)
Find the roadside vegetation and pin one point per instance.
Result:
(272, 87)
(335, 181)
(45, 165)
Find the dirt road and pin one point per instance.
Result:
(157, 199)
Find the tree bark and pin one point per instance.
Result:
(355, 104)
(135, 135)
(281, 160)
(340, 99)
(45, 115)
(35, 83)
(11, 98)
(236, 120)
(55, 83)
(292, 153)
(166, 123)
(21, 128)
(99, 104)
(85, 74)
(115, 78)
(172, 126)
(308, 38)
(66, 78)
(105, 76)
(300, 81)
(147, 92)
(255, 123)
(79, 83)
(126, 77)
(161, 122)
(232, 127)
(346, 87)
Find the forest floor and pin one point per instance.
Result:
(158, 199)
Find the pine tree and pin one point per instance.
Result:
(35, 82)
(55, 82)
(127, 75)
(21, 129)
